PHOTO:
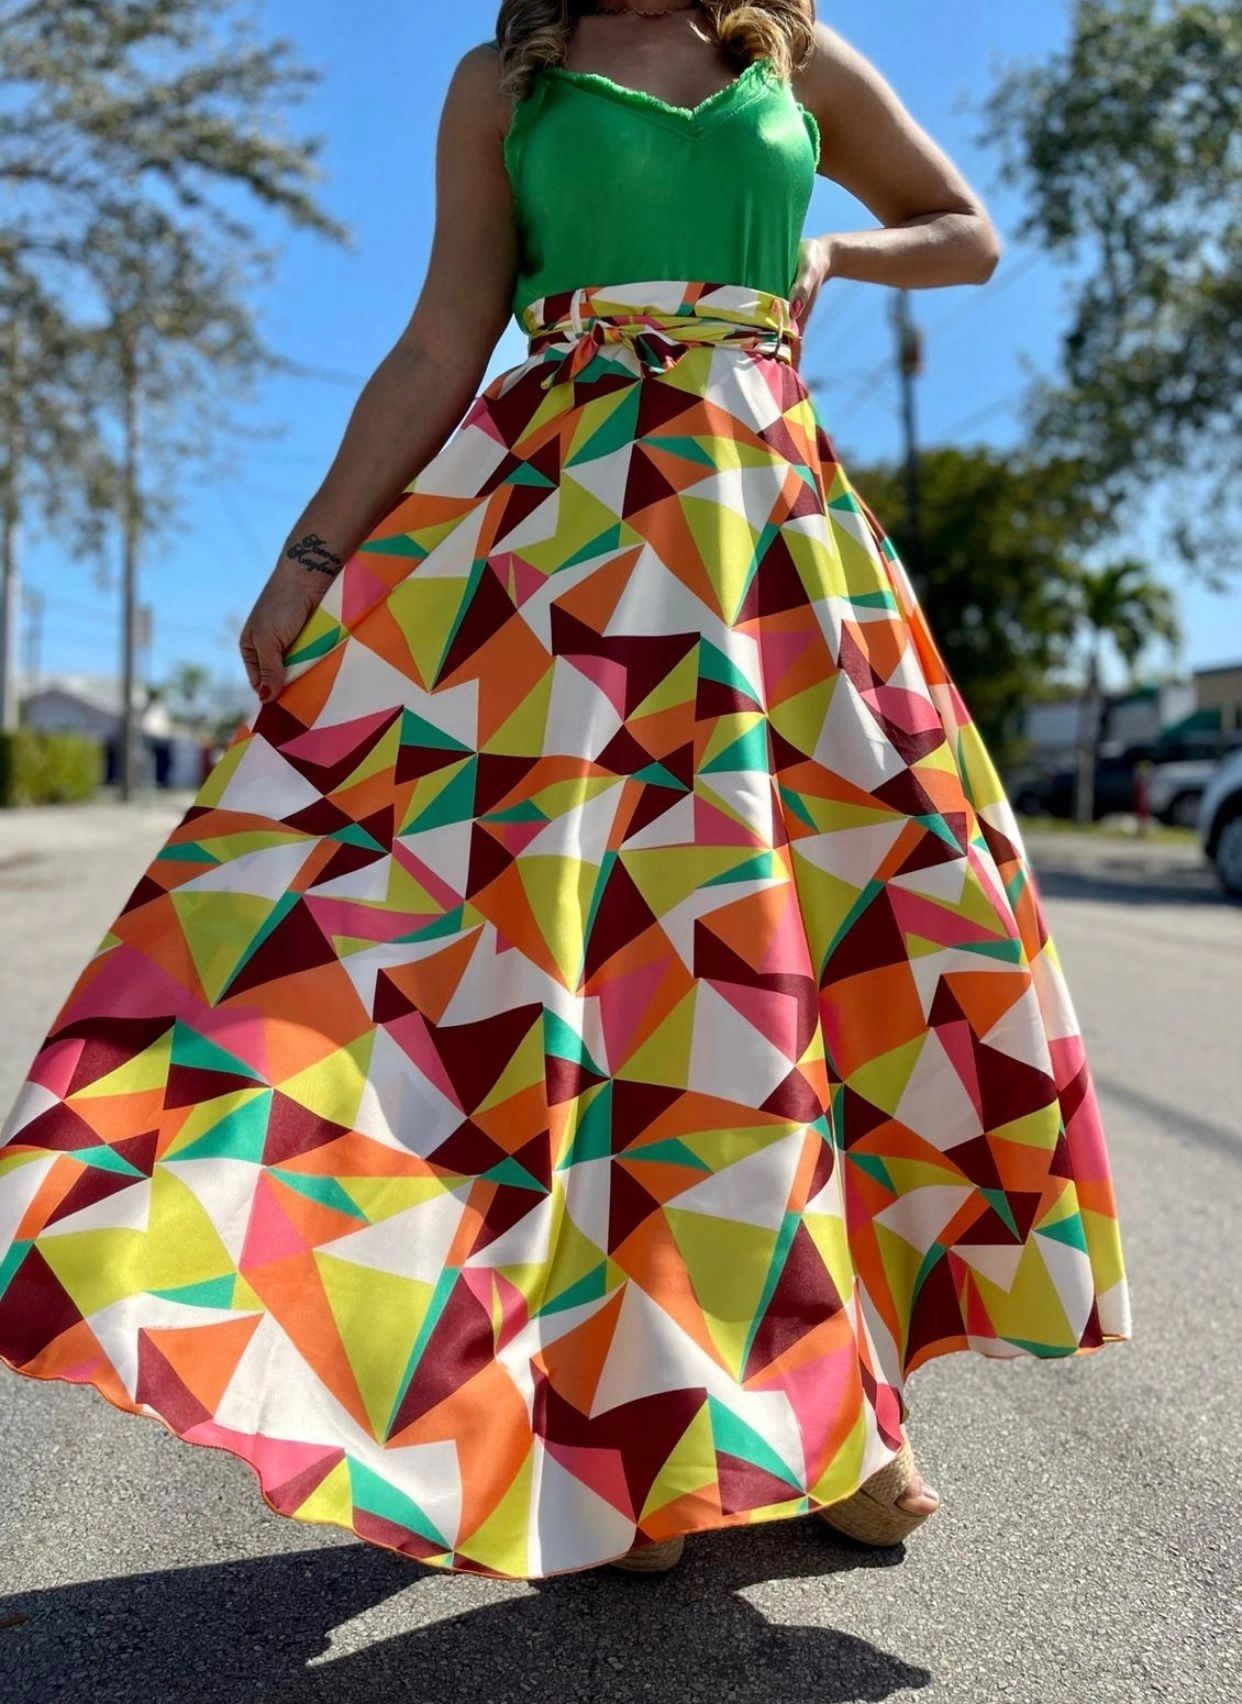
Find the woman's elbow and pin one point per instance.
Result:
(986, 249)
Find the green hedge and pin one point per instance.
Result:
(48, 769)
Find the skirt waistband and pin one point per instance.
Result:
(659, 321)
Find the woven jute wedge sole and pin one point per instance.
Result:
(871, 1515)
(652, 1558)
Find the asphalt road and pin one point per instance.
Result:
(1086, 1549)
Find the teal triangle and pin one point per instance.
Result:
(592, 1140)
(325, 1190)
(591, 1287)
(211, 1293)
(735, 1437)
(240, 1135)
(1068, 1230)
(378, 1496)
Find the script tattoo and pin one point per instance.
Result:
(312, 552)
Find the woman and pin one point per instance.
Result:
(597, 1033)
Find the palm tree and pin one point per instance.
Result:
(1123, 602)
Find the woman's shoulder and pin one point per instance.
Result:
(476, 85)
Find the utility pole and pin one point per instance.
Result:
(909, 366)
(10, 499)
(33, 602)
(128, 765)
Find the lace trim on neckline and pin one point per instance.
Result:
(642, 98)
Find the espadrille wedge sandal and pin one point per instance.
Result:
(652, 1558)
(871, 1515)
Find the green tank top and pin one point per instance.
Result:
(613, 186)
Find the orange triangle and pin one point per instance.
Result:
(205, 1357)
(575, 1362)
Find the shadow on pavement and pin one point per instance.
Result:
(1125, 881)
(259, 1632)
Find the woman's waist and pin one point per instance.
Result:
(659, 319)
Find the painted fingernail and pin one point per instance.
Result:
(265, 692)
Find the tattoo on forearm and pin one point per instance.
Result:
(312, 552)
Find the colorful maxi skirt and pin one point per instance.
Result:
(597, 1032)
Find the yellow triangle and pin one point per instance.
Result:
(332, 1499)
(664, 1057)
(218, 928)
(149, 1070)
(558, 891)
(332, 1087)
(523, 729)
(524, 1069)
(97, 1268)
(726, 543)
(689, 1467)
(828, 1232)
(182, 1245)
(883, 1080)
(425, 608)
(1032, 1307)
(730, 1262)
(383, 1197)
(843, 1474)
(502, 1541)
(378, 1317)
(380, 760)
(213, 788)
(679, 687)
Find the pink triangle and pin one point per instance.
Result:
(623, 1002)
(331, 744)
(269, 1234)
(410, 1035)
(605, 673)
(917, 915)
(774, 1015)
(786, 950)
(780, 649)
(276, 1460)
(53, 1069)
(363, 590)
(712, 827)
(602, 1471)
(480, 418)
(817, 1392)
(958, 1043)
(444, 895)
(907, 710)
(518, 577)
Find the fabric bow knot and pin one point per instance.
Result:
(654, 348)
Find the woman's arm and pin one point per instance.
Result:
(935, 227)
(421, 389)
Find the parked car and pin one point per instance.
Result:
(1220, 824)
(1177, 788)
(1054, 794)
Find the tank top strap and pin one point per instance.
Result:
(526, 109)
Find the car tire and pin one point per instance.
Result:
(1227, 856)
(1182, 811)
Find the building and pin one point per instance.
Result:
(90, 705)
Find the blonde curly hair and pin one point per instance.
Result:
(532, 33)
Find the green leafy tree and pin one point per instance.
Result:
(1128, 144)
(141, 144)
(1122, 604)
(1000, 536)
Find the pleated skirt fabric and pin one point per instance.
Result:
(597, 1032)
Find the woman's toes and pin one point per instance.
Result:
(919, 1498)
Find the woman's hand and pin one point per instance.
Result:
(281, 610)
(814, 270)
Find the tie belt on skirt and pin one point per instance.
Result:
(658, 322)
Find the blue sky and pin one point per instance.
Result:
(384, 76)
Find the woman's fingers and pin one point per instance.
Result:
(271, 666)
